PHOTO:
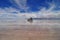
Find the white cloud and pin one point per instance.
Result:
(42, 13)
(20, 4)
(48, 13)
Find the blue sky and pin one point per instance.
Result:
(34, 5)
(30, 8)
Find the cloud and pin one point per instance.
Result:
(13, 12)
(8, 11)
(48, 12)
(22, 4)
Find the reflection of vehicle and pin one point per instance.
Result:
(30, 20)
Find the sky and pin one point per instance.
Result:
(30, 8)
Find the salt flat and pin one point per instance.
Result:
(23, 30)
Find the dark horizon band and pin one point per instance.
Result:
(46, 18)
